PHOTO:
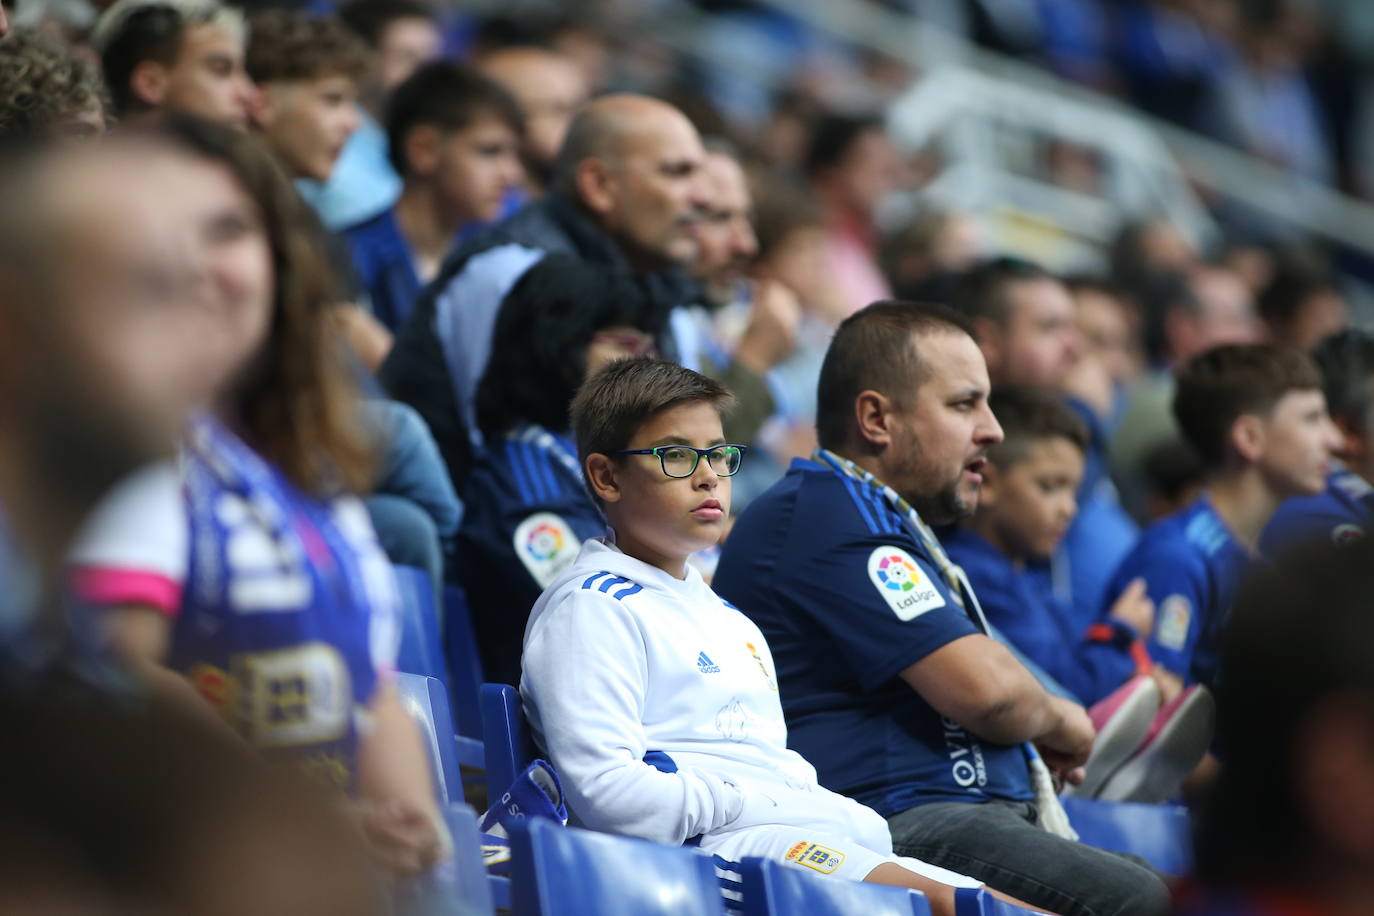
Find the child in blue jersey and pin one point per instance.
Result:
(248, 584)
(453, 136)
(527, 507)
(656, 699)
(1256, 416)
(1344, 510)
(1027, 505)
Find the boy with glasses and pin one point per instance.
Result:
(658, 701)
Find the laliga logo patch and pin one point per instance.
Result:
(544, 542)
(897, 573)
(545, 545)
(1175, 616)
(908, 591)
(820, 858)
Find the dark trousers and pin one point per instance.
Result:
(998, 843)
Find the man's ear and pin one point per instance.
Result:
(1247, 436)
(602, 474)
(873, 417)
(597, 185)
(421, 147)
(149, 83)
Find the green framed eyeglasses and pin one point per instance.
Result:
(682, 460)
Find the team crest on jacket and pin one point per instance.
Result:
(821, 858)
(546, 545)
(905, 588)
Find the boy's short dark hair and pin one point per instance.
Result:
(1346, 361)
(1030, 415)
(1217, 387)
(1297, 277)
(981, 291)
(613, 404)
(873, 349)
(290, 46)
(447, 95)
(369, 19)
(134, 31)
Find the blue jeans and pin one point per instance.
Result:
(998, 843)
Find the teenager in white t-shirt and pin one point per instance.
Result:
(657, 700)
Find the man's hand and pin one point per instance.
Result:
(403, 839)
(1135, 608)
(1066, 747)
(772, 332)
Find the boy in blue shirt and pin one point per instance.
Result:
(1256, 416)
(454, 137)
(1344, 510)
(1027, 505)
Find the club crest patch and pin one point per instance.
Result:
(545, 545)
(817, 857)
(902, 583)
(1175, 615)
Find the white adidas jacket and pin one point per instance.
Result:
(622, 660)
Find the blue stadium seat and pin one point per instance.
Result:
(457, 886)
(974, 901)
(1159, 834)
(427, 702)
(771, 889)
(505, 736)
(465, 666)
(564, 871)
(421, 651)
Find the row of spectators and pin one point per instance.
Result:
(319, 261)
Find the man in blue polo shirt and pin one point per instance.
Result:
(890, 685)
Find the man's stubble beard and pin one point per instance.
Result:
(937, 501)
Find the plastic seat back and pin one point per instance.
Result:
(563, 871)
(427, 702)
(772, 889)
(975, 901)
(421, 651)
(505, 735)
(464, 664)
(1159, 834)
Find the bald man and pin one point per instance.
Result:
(550, 89)
(626, 194)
